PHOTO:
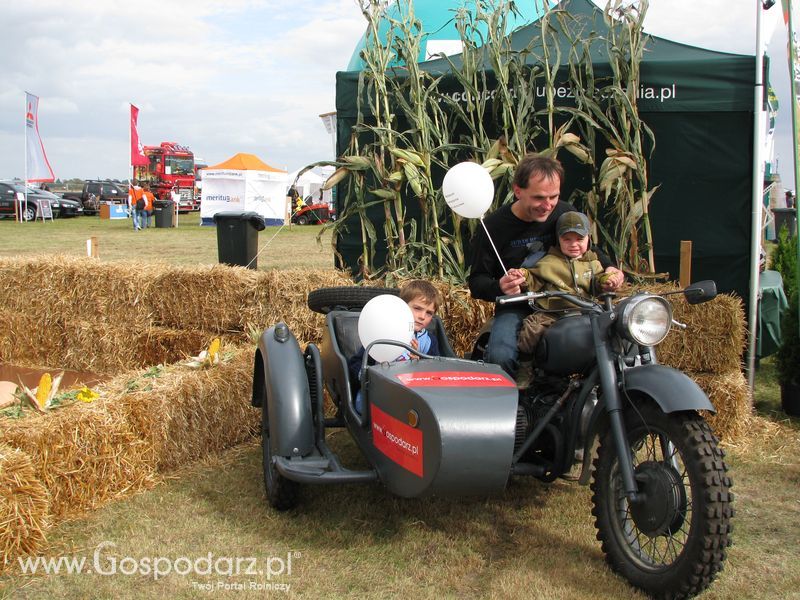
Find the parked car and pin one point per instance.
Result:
(96, 192)
(60, 206)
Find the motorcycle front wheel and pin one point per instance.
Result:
(672, 543)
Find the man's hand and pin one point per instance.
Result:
(510, 282)
(611, 279)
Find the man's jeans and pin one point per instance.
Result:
(139, 218)
(502, 349)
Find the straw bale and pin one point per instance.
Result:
(288, 297)
(84, 455)
(24, 505)
(714, 338)
(162, 345)
(207, 298)
(730, 395)
(183, 414)
(51, 287)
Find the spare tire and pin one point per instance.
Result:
(350, 297)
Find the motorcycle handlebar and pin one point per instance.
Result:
(528, 296)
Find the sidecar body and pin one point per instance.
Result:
(440, 425)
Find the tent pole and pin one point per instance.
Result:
(757, 200)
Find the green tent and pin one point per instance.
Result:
(699, 104)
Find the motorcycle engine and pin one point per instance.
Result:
(530, 411)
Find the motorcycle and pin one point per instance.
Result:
(599, 404)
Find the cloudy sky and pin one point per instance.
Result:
(227, 76)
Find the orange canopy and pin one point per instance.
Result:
(245, 162)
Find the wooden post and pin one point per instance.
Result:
(686, 264)
(91, 248)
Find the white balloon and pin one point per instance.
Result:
(468, 189)
(385, 317)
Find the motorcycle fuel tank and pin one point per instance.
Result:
(441, 426)
(567, 347)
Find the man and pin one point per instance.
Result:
(136, 204)
(522, 231)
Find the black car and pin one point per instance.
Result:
(10, 190)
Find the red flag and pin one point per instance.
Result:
(138, 158)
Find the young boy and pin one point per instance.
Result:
(569, 267)
(423, 299)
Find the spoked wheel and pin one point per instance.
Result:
(29, 213)
(282, 493)
(673, 543)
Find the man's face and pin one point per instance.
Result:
(537, 201)
(423, 312)
(573, 245)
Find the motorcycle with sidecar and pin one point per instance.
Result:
(600, 409)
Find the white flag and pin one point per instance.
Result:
(37, 167)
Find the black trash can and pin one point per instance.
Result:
(237, 237)
(164, 210)
(785, 217)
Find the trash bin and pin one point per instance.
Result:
(164, 210)
(237, 237)
(785, 217)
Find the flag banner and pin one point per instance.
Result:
(36, 166)
(138, 158)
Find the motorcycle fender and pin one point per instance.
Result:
(671, 389)
(280, 380)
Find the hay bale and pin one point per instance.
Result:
(715, 336)
(84, 455)
(206, 298)
(69, 288)
(24, 505)
(730, 395)
(182, 414)
(162, 345)
(288, 297)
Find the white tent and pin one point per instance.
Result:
(310, 183)
(244, 183)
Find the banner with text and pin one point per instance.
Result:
(37, 168)
(138, 159)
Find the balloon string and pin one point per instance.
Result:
(496, 253)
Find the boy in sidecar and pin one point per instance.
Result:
(423, 299)
(569, 267)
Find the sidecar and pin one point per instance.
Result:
(437, 425)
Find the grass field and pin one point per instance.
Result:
(534, 541)
(188, 244)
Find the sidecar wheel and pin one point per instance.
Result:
(282, 493)
(673, 544)
(350, 297)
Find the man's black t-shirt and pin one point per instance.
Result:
(512, 237)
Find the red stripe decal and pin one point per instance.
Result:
(455, 379)
(400, 443)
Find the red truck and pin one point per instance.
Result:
(170, 164)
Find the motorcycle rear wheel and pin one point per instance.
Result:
(674, 543)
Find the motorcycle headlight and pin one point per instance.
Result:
(646, 319)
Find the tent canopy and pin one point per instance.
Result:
(699, 105)
(244, 183)
(245, 162)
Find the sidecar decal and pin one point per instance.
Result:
(400, 443)
(454, 379)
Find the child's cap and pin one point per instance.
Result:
(573, 221)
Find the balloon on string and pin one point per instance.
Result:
(468, 190)
(385, 317)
